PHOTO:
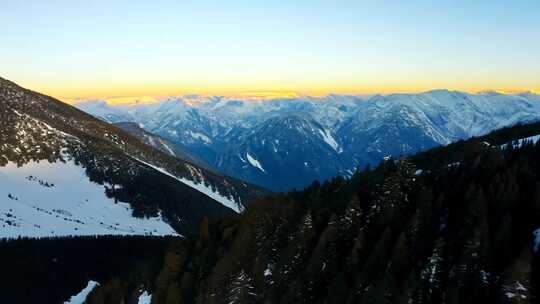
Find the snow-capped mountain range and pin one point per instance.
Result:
(286, 143)
(63, 172)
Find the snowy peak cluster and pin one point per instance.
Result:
(298, 140)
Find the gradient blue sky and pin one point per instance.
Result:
(131, 48)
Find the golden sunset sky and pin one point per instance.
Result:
(104, 49)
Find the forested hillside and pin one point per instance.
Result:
(463, 233)
(418, 230)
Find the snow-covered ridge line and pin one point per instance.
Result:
(46, 125)
(520, 142)
(201, 187)
(254, 162)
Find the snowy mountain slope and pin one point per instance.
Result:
(360, 131)
(41, 199)
(402, 124)
(283, 152)
(39, 128)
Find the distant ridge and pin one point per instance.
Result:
(298, 140)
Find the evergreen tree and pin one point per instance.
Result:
(242, 290)
(516, 280)
(433, 273)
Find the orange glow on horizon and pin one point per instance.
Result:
(135, 92)
(146, 99)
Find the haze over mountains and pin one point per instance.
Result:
(287, 143)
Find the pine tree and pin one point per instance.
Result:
(337, 291)
(351, 220)
(411, 291)
(297, 252)
(378, 258)
(433, 273)
(516, 279)
(358, 252)
(167, 277)
(382, 292)
(469, 278)
(242, 290)
(392, 194)
(401, 261)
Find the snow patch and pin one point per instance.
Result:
(254, 162)
(200, 137)
(516, 290)
(145, 298)
(80, 298)
(453, 165)
(536, 234)
(329, 139)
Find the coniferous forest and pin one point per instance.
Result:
(451, 225)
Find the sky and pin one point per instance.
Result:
(82, 49)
